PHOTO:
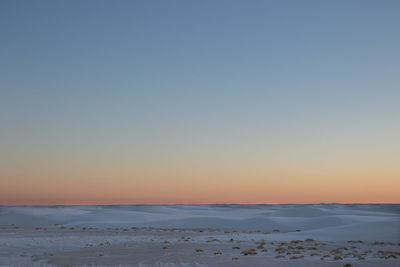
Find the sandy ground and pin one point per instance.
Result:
(201, 235)
(84, 246)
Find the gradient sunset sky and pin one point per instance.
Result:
(124, 102)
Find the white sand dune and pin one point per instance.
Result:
(135, 235)
(331, 222)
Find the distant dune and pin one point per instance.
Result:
(327, 221)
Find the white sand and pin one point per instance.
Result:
(103, 235)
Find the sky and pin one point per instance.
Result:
(161, 102)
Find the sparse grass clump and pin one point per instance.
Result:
(280, 250)
(296, 257)
(250, 251)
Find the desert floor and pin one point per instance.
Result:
(326, 236)
(27, 246)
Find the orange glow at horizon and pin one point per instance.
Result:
(202, 174)
(222, 187)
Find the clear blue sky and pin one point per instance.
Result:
(198, 83)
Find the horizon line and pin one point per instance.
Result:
(200, 204)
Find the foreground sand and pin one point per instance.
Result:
(76, 246)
